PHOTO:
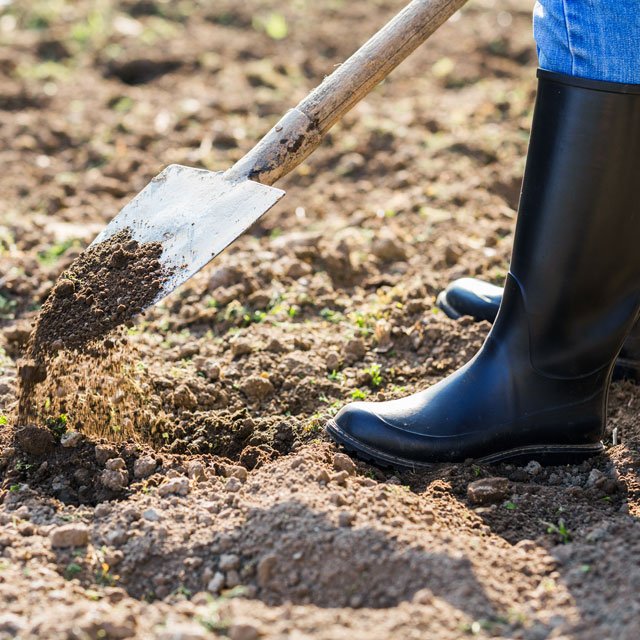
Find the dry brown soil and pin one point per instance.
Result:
(187, 490)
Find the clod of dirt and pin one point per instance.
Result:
(104, 287)
(36, 441)
(70, 535)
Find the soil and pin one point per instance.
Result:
(182, 486)
(106, 286)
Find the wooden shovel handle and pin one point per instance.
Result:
(301, 130)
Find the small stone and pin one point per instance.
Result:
(594, 476)
(116, 464)
(333, 361)
(257, 388)
(212, 370)
(276, 346)
(423, 596)
(240, 347)
(323, 476)
(355, 350)
(184, 398)
(488, 490)
(104, 452)
(346, 518)
(102, 510)
(342, 462)
(340, 477)
(216, 583)
(232, 579)
(224, 276)
(175, 486)
(35, 441)
(195, 470)
(233, 485)
(70, 535)
(337, 498)
(428, 516)
(151, 515)
(236, 471)
(114, 479)
(265, 568)
(388, 248)
(243, 632)
(298, 461)
(533, 468)
(144, 467)
(71, 439)
(114, 557)
(229, 561)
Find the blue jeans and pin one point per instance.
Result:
(595, 39)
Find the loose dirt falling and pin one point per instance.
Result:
(104, 288)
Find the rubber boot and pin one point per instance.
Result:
(481, 300)
(537, 389)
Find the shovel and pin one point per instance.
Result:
(195, 214)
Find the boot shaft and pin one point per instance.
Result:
(575, 258)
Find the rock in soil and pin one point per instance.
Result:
(70, 535)
(488, 490)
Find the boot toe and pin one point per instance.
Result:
(361, 428)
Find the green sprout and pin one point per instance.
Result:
(559, 530)
(374, 374)
(72, 570)
(54, 253)
(58, 425)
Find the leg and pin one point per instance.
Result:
(538, 387)
(587, 39)
(592, 39)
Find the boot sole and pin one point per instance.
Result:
(552, 454)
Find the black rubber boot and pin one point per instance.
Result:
(481, 300)
(537, 389)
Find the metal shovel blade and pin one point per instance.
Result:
(194, 214)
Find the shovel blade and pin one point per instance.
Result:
(194, 214)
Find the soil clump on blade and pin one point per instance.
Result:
(104, 288)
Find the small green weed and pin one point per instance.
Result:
(55, 252)
(331, 316)
(559, 529)
(72, 570)
(58, 426)
(375, 374)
